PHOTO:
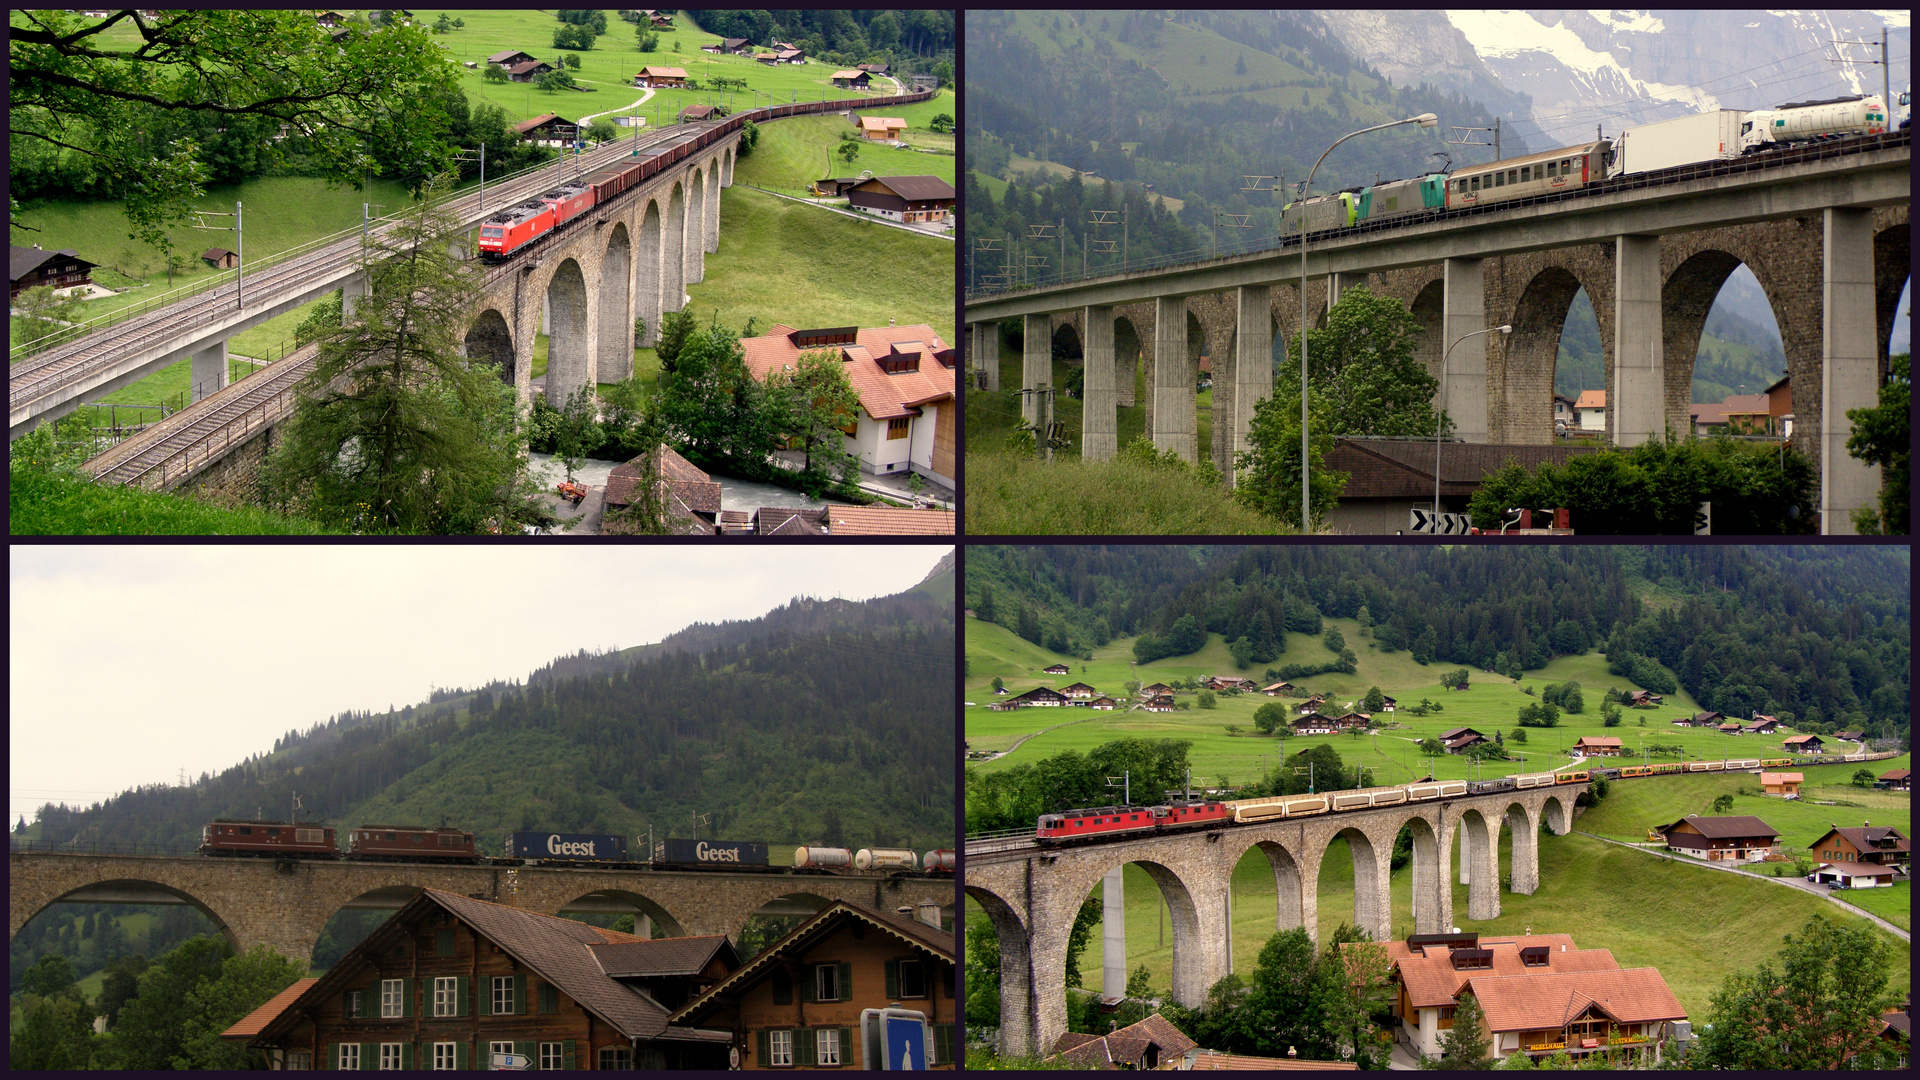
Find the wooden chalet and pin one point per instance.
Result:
(1277, 689)
(1041, 696)
(1707, 719)
(1155, 690)
(874, 69)
(905, 199)
(509, 58)
(1803, 744)
(851, 79)
(31, 268)
(1104, 704)
(1080, 691)
(1851, 736)
(1460, 738)
(1352, 720)
(1231, 682)
(1149, 1044)
(654, 75)
(1721, 839)
(1388, 704)
(1160, 703)
(1763, 725)
(1896, 780)
(1313, 724)
(1643, 697)
(1782, 783)
(881, 128)
(697, 113)
(1540, 994)
(1867, 844)
(797, 1003)
(528, 70)
(220, 258)
(1589, 746)
(1312, 704)
(1056, 669)
(449, 981)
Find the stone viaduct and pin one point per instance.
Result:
(1032, 893)
(285, 904)
(1832, 262)
(584, 287)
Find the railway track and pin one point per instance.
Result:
(65, 365)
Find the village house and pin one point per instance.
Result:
(1230, 682)
(1055, 669)
(1780, 407)
(1387, 478)
(1080, 691)
(1643, 697)
(1802, 744)
(1590, 746)
(527, 71)
(509, 58)
(1155, 690)
(1592, 408)
(449, 981)
(31, 268)
(1720, 839)
(1387, 704)
(1160, 703)
(1866, 844)
(904, 377)
(1731, 728)
(1564, 418)
(1351, 721)
(1460, 738)
(1708, 719)
(689, 498)
(881, 128)
(1312, 704)
(1313, 724)
(906, 199)
(654, 76)
(851, 80)
(330, 18)
(1150, 1044)
(1851, 736)
(729, 47)
(1104, 704)
(1041, 697)
(1277, 689)
(1763, 725)
(658, 19)
(874, 69)
(1854, 875)
(1896, 780)
(797, 1003)
(1782, 783)
(1538, 993)
(696, 113)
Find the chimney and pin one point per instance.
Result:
(889, 322)
(929, 913)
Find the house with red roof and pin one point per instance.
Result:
(904, 377)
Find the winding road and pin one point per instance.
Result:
(644, 98)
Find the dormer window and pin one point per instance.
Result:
(1534, 956)
(1472, 959)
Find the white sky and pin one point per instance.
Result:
(131, 663)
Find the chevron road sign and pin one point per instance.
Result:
(1426, 521)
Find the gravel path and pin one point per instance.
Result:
(585, 120)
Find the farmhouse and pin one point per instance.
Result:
(1230, 682)
(904, 377)
(1730, 728)
(905, 199)
(652, 76)
(1039, 696)
(881, 128)
(849, 80)
(1312, 704)
(1160, 703)
(1313, 724)
(1854, 875)
(1352, 720)
(1055, 669)
(1803, 744)
(1763, 725)
(1387, 704)
(1152, 1043)
(547, 129)
(1782, 783)
(1589, 746)
(529, 70)
(1460, 738)
(1104, 704)
(1643, 697)
(31, 268)
(1897, 780)
(1080, 692)
(1719, 839)
(1276, 689)
(1851, 736)
(1708, 719)
(797, 1003)
(1539, 994)
(509, 58)
(1866, 844)
(1155, 690)
(449, 980)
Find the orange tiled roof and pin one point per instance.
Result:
(1591, 399)
(888, 521)
(1533, 1002)
(1782, 778)
(256, 1021)
(1431, 980)
(883, 396)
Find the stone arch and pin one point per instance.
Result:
(489, 342)
(1523, 873)
(1431, 891)
(646, 278)
(1193, 971)
(696, 244)
(1557, 812)
(726, 176)
(620, 901)
(1126, 360)
(569, 341)
(1428, 308)
(710, 226)
(1018, 1024)
(1294, 904)
(673, 251)
(1892, 269)
(1066, 337)
(97, 890)
(1686, 296)
(1531, 352)
(615, 361)
(1372, 900)
(1479, 862)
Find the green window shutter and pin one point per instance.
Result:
(526, 1050)
(846, 1047)
(443, 942)
(406, 1055)
(567, 1052)
(406, 997)
(370, 1055)
(942, 1044)
(807, 978)
(846, 982)
(760, 1055)
(333, 1057)
(520, 995)
(803, 1052)
(460, 1056)
(893, 979)
(549, 998)
(463, 987)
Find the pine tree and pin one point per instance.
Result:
(1465, 1045)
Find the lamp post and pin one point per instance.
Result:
(1425, 120)
(1440, 414)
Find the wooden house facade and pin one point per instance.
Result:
(1882, 846)
(1722, 839)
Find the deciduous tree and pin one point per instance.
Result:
(1882, 436)
(1815, 1005)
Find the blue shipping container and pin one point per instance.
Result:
(567, 847)
(713, 852)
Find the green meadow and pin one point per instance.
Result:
(792, 153)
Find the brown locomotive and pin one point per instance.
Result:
(410, 844)
(225, 836)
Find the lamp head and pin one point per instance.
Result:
(1427, 120)
(1506, 329)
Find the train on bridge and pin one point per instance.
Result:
(522, 224)
(233, 838)
(1179, 815)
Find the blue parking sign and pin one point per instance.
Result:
(906, 1042)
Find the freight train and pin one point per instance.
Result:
(1175, 815)
(232, 838)
(1575, 167)
(517, 226)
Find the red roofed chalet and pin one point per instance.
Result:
(904, 376)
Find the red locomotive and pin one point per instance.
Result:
(267, 839)
(1100, 821)
(393, 843)
(568, 201)
(514, 227)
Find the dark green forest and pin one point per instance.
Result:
(1821, 634)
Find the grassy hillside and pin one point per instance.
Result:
(781, 261)
(1491, 704)
(794, 152)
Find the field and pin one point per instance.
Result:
(794, 152)
(1490, 705)
(990, 417)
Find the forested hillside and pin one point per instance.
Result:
(1819, 634)
(825, 721)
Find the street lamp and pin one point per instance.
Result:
(1425, 120)
(1440, 415)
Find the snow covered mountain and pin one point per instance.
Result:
(1584, 68)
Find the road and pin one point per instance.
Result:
(1792, 881)
(644, 98)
